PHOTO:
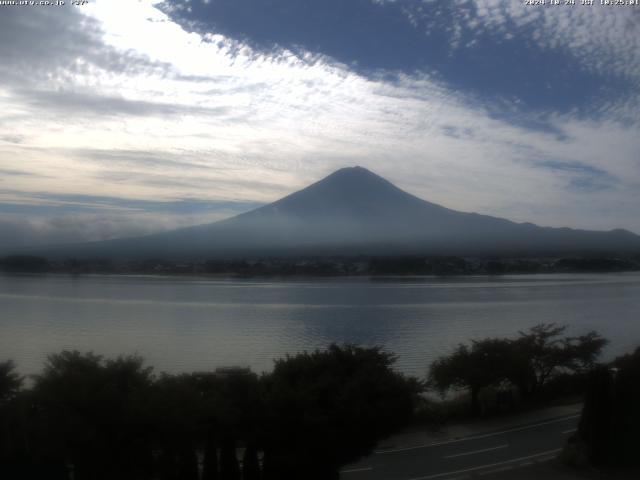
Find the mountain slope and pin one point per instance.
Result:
(353, 211)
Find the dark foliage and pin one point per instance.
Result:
(24, 263)
(596, 264)
(331, 407)
(250, 463)
(484, 363)
(10, 382)
(229, 467)
(210, 459)
(87, 417)
(527, 362)
(610, 418)
(93, 412)
(414, 265)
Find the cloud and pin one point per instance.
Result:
(581, 177)
(12, 173)
(42, 219)
(74, 103)
(9, 138)
(37, 230)
(602, 38)
(564, 58)
(57, 44)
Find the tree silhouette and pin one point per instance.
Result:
(328, 408)
(10, 382)
(229, 467)
(177, 407)
(484, 363)
(527, 362)
(610, 417)
(210, 459)
(548, 353)
(87, 417)
(13, 438)
(95, 413)
(250, 463)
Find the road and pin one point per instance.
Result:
(469, 456)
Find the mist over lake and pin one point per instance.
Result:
(187, 324)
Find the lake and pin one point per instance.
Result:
(185, 324)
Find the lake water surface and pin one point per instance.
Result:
(187, 324)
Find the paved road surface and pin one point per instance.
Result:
(463, 457)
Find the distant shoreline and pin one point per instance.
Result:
(327, 267)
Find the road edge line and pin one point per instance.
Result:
(489, 465)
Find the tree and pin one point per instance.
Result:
(177, 408)
(547, 354)
(229, 468)
(610, 417)
(484, 363)
(12, 429)
(210, 460)
(93, 414)
(528, 362)
(328, 408)
(595, 425)
(10, 381)
(94, 418)
(250, 463)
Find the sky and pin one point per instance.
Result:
(122, 118)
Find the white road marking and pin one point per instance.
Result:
(476, 437)
(497, 470)
(565, 432)
(489, 465)
(354, 470)
(477, 451)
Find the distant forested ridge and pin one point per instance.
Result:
(327, 266)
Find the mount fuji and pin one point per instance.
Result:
(350, 212)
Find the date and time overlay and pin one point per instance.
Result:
(532, 3)
(42, 3)
(586, 3)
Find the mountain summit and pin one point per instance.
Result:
(349, 199)
(354, 211)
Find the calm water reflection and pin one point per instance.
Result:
(185, 324)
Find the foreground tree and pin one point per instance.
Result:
(329, 408)
(177, 408)
(546, 353)
(87, 417)
(12, 434)
(527, 362)
(610, 418)
(10, 382)
(484, 363)
(92, 415)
